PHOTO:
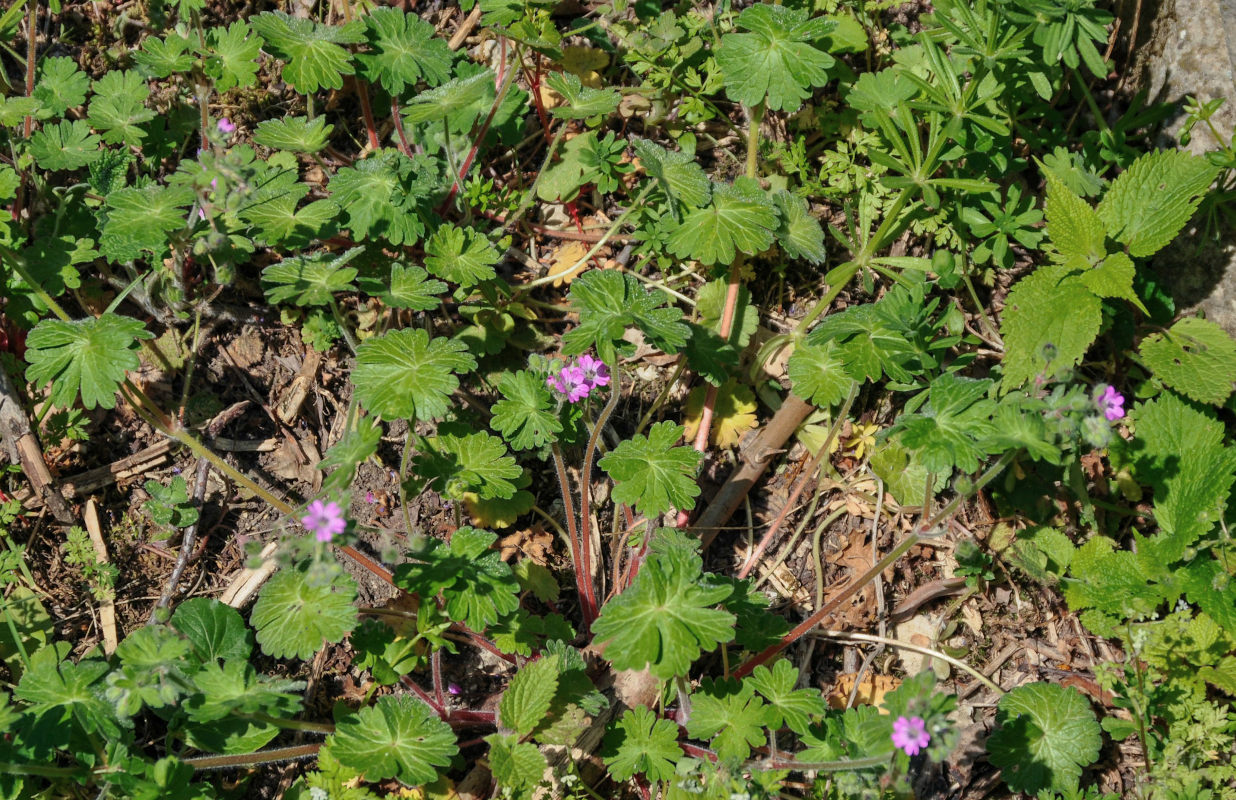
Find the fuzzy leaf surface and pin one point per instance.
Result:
(397, 737)
(740, 218)
(608, 302)
(297, 612)
(314, 53)
(652, 474)
(403, 50)
(1150, 202)
(404, 374)
(523, 416)
(642, 744)
(775, 58)
(729, 713)
(1047, 735)
(1195, 357)
(88, 357)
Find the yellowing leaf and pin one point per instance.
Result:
(584, 63)
(568, 262)
(733, 413)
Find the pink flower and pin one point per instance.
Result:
(910, 734)
(1111, 403)
(569, 381)
(454, 689)
(324, 519)
(595, 372)
(225, 125)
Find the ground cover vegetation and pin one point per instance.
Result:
(432, 401)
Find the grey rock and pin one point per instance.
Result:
(1188, 48)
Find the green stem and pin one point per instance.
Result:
(290, 724)
(826, 766)
(753, 140)
(40, 771)
(347, 334)
(19, 266)
(254, 759)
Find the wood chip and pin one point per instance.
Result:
(107, 608)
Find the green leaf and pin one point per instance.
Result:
(581, 102)
(786, 705)
(710, 303)
(516, 766)
(403, 50)
(235, 687)
(408, 287)
(681, 177)
(313, 52)
(443, 101)
(478, 462)
(948, 432)
(310, 280)
(665, 618)
(232, 55)
(524, 415)
(149, 673)
(1047, 735)
(404, 374)
(1114, 278)
(818, 375)
(279, 221)
(641, 744)
(215, 630)
(1181, 454)
(161, 58)
(526, 700)
(1074, 227)
(775, 59)
(398, 737)
(461, 255)
(297, 134)
(1196, 358)
(1148, 203)
(61, 86)
(169, 505)
(68, 145)
(800, 234)
(117, 108)
(58, 690)
(87, 356)
(479, 588)
(608, 302)
(728, 713)
(1109, 581)
(382, 195)
(653, 475)
(298, 611)
(740, 218)
(341, 461)
(1048, 313)
(139, 220)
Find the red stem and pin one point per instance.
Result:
(476, 143)
(403, 136)
(362, 91)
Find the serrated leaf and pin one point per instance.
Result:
(87, 356)
(478, 462)
(443, 101)
(608, 302)
(161, 58)
(903, 473)
(775, 59)
(1047, 307)
(67, 145)
(460, 255)
(1113, 278)
(517, 766)
(139, 220)
(408, 287)
(949, 431)
(403, 50)
(1074, 228)
(310, 280)
(681, 177)
(61, 85)
(1183, 457)
(1195, 357)
(169, 505)
(214, 630)
(800, 234)
(405, 375)
(526, 700)
(641, 744)
(58, 690)
(787, 705)
(1111, 582)
(382, 195)
(235, 687)
(117, 108)
(665, 619)
(1047, 735)
(298, 611)
(710, 356)
(279, 221)
(740, 218)
(728, 713)
(479, 588)
(344, 457)
(651, 474)
(398, 737)
(232, 55)
(1148, 203)
(297, 134)
(523, 416)
(581, 102)
(312, 51)
(817, 374)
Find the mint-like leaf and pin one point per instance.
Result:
(398, 737)
(518, 767)
(87, 356)
(776, 58)
(1196, 358)
(1047, 735)
(406, 375)
(652, 474)
(665, 619)
(526, 700)
(1149, 203)
(1049, 313)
